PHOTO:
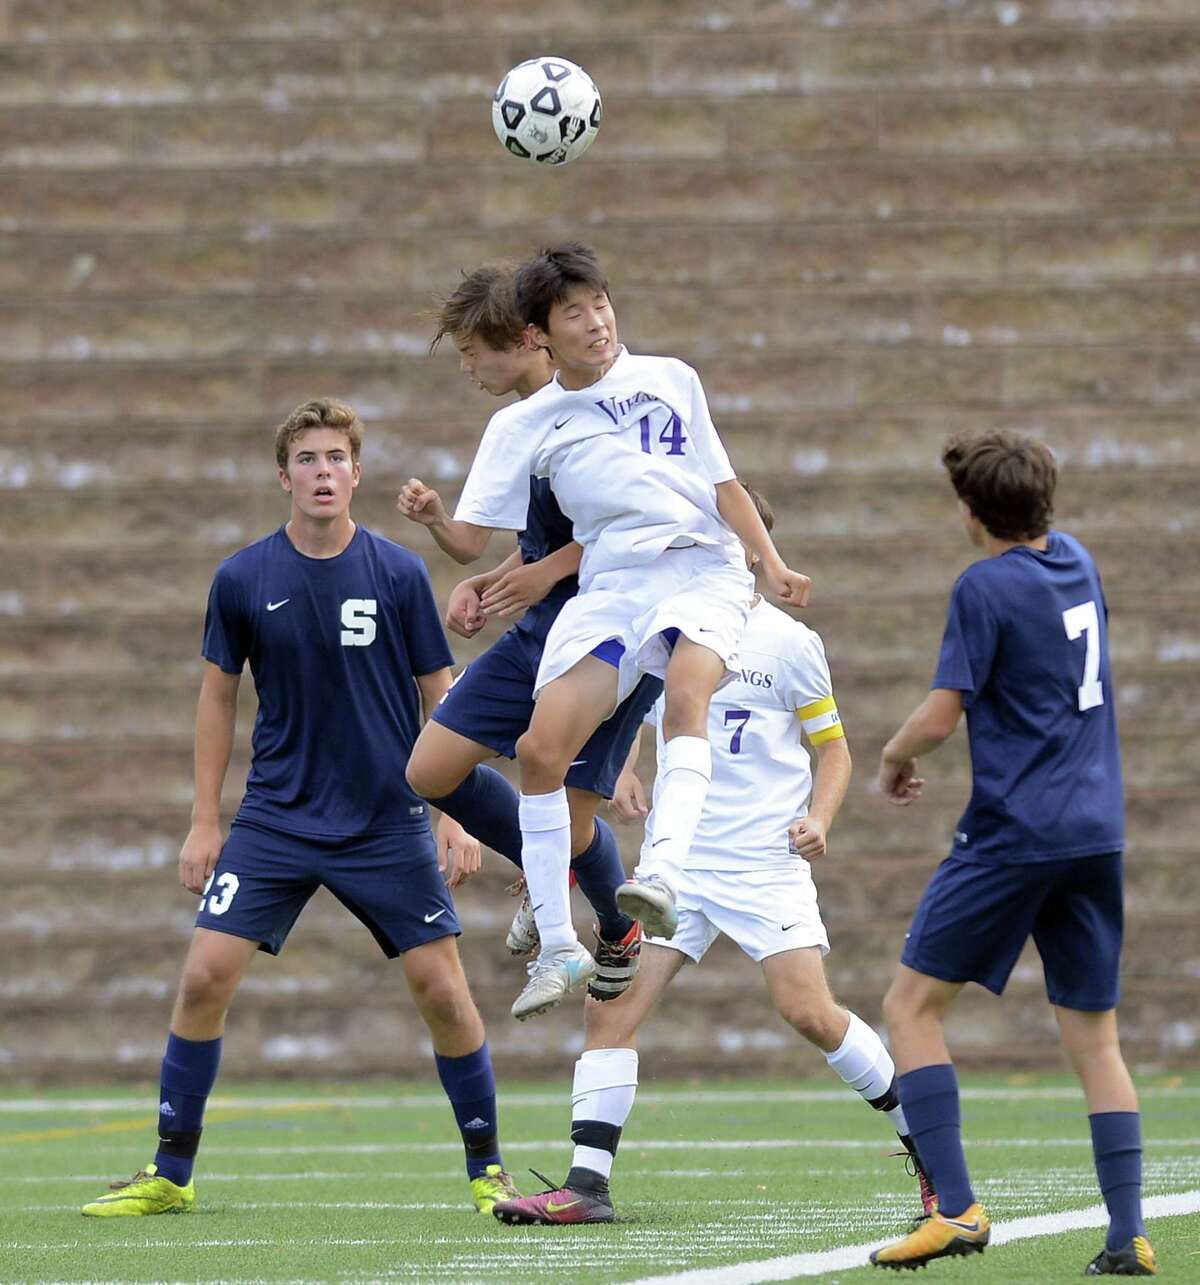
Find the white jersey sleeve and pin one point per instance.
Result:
(808, 688)
(705, 437)
(496, 492)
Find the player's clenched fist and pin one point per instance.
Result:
(790, 586)
(806, 837)
(421, 503)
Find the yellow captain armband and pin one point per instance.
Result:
(821, 721)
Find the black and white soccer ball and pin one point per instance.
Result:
(547, 111)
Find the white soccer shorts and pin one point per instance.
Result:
(765, 911)
(695, 590)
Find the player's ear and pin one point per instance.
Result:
(284, 480)
(536, 337)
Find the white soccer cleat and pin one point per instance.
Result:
(523, 936)
(651, 901)
(551, 976)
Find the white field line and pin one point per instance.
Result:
(769, 1269)
(424, 1101)
(848, 1256)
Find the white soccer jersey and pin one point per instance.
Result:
(633, 460)
(762, 777)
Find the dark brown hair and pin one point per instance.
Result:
(760, 503)
(545, 280)
(482, 306)
(321, 412)
(1006, 479)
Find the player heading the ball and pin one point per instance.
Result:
(635, 462)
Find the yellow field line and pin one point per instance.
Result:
(128, 1126)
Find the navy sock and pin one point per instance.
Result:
(189, 1071)
(486, 806)
(471, 1088)
(1117, 1147)
(599, 873)
(929, 1096)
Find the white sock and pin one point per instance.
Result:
(601, 1100)
(546, 857)
(867, 1067)
(685, 773)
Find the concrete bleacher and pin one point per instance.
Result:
(867, 224)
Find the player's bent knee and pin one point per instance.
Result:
(207, 985)
(815, 1023)
(897, 1007)
(539, 755)
(443, 1000)
(430, 779)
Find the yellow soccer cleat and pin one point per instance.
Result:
(493, 1185)
(144, 1193)
(937, 1237)
(1135, 1259)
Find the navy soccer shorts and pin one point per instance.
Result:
(390, 883)
(975, 918)
(491, 703)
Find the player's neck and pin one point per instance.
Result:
(529, 383)
(324, 538)
(575, 378)
(993, 547)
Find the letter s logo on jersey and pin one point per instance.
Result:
(358, 622)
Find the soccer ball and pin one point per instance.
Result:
(547, 110)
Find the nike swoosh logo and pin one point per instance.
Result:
(562, 424)
(658, 841)
(274, 606)
(705, 631)
(436, 915)
(955, 1222)
(552, 1208)
(579, 762)
(788, 927)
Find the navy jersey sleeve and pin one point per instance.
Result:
(969, 642)
(226, 629)
(421, 622)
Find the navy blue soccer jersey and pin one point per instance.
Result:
(1026, 644)
(547, 529)
(334, 645)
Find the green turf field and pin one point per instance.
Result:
(329, 1183)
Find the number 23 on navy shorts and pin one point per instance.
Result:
(390, 883)
(974, 920)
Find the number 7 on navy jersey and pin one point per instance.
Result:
(1084, 619)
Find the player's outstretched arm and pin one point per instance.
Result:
(807, 835)
(737, 508)
(216, 720)
(520, 587)
(463, 541)
(921, 733)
